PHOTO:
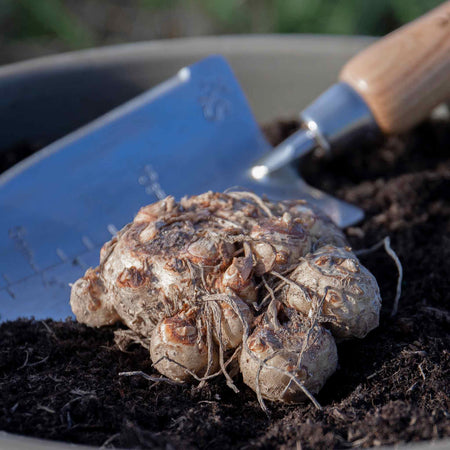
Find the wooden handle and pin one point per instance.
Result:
(403, 76)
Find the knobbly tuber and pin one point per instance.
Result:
(346, 287)
(217, 281)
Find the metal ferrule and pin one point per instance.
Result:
(340, 117)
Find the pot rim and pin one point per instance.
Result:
(168, 48)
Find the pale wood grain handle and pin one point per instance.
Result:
(404, 75)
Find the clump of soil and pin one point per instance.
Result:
(59, 380)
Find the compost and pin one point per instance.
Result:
(60, 380)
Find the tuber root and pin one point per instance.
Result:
(351, 295)
(178, 348)
(220, 278)
(284, 362)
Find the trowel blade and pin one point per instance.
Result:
(193, 133)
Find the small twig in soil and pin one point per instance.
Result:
(26, 361)
(81, 393)
(412, 387)
(76, 399)
(50, 331)
(422, 372)
(359, 442)
(415, 352)
(149, 377)
(46, 408)
(393, 255)
(69, 420)
(13, 409)
(374, 374)
(39, 362)
(109, 440)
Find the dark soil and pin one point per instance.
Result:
(59, 380)
(13, 155)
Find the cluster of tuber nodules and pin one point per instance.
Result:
(220, 283)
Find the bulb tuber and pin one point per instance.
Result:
(220, 278)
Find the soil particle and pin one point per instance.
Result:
(59, 380)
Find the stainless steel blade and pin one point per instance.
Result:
(191, 134)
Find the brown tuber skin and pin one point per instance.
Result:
(309, 355)
(216, 276)
(350, 293)
(178, 348)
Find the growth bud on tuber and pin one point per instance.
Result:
(348, 291)
(286, 361)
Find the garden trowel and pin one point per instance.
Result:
(193, 133)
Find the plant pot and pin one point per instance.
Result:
(46, 98)
(43, 99)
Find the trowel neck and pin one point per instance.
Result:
(340, 118)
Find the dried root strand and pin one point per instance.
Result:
(149, 377)
(315, 319)
(292, 377)
(292, 283)
(193, 374)
(217, 315)
(239, 195)
(390, 251)
(386, 243)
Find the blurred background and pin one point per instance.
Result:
(31, 28)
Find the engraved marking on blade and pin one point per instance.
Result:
(17, 235)
(150, 180)
(112, 229)
(79, 262)
(6, 278)
(53, 281)
(87, 242)
(213, 99)
(62, 256)
(8, 284)
(47, 283)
